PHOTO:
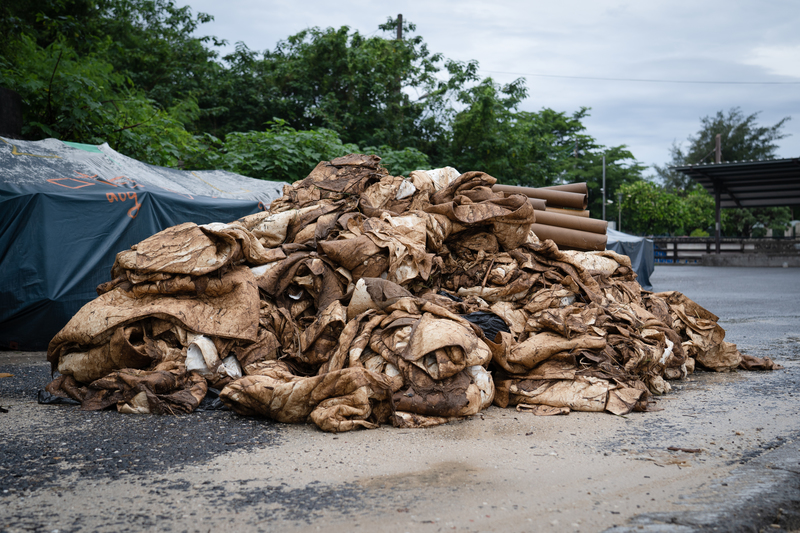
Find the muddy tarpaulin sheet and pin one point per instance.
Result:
(67, 209)
(362, 298)
(639, 249)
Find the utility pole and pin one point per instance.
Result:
(718, 148)
(400, 27)
(604, 186)
(619, 209)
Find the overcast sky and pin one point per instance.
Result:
(577, 53)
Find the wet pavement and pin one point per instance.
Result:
(734, 466)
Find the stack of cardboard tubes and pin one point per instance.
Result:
(561, 215)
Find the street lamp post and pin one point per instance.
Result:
(604, 186)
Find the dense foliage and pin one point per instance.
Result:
(135, 74)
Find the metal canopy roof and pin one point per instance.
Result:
(750, 183)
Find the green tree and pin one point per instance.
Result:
(586, 165)
(699, 210)
(135, 74)
(745, 222)
(283, 153)
(336, 79)
(516, 147)
(647, 210)
(741, 139)
(46, 21)
(81, 98)
(153, 43)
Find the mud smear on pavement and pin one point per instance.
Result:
(267, 508)
(37, 448)
(442, 475)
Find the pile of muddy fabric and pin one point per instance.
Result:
(363, 298)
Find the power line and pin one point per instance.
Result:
(645, 80)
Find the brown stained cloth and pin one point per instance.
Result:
(703, 337)
(345, 305)
(192, 250)
(455, 396)
(338, 179)
(570, 264)
(750, 362)
(272, 228)
(374, 293)
(337, 401)
(405, 239)
(121, 351)
(510, 218)
(319, 340)
(394, 195)
(580, 394)
(167, 390)
(233, 315)
(352, 252)
(442, 347)
(520, 357)
(303, 275)
(402, 419)
(182, 249)
(514, 289)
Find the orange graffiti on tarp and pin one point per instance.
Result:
(66, 181)
(123, 180)
(121, 197)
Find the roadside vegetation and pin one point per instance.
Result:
(135, 74)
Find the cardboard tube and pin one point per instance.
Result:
(570, 212)
(538, 205)
(592, 225)
(552, 196)
(570, 187)
(572, 238)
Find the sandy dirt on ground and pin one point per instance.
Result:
(68, 470)
(499, 471)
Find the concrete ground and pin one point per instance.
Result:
(62, 469)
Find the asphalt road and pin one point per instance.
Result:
(62, 469)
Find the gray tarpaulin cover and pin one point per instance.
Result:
(639, 249)
(346, 305)
(67, 209)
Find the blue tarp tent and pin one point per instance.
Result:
(639, 249)
(67, 209)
